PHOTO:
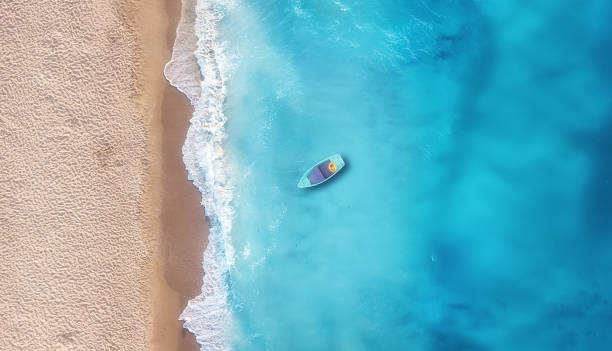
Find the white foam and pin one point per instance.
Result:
(208, 315)
(182, 70)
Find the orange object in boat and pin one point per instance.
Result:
(332, 167)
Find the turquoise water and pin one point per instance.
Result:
(475, 209)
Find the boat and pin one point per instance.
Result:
(321, 172)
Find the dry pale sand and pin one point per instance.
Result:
(101, 235)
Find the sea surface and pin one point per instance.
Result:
(475, 211)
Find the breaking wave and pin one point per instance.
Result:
(198, 69)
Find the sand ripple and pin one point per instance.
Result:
(72, 171)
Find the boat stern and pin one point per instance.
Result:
(304, 182)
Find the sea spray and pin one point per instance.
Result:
(207, 315)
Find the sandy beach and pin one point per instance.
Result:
(101, 233)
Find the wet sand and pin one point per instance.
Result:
(182, 224)
(101, 233)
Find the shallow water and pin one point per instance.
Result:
(474, 211)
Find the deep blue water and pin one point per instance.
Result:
(475, 210)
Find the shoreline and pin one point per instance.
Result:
(177, 270)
